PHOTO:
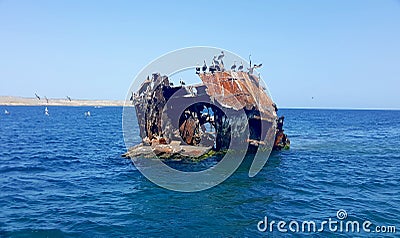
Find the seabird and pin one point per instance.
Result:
(221, 55)
(215, 61)
(204, 68)
(250, 59)
(233, 66)
(148, 89)
(136, 96)
(181, 82)
(6, 112)
(191, 90)
(37, 96)
(46, 111)
(197, 69)
(275, 107)
(212, 68)
(257, 66)
(240, 67)
(131, 99)
(47, 100)
(69, 99)
(87, 113)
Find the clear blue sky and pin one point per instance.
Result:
(343, 53)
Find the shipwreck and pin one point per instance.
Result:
(198, 120)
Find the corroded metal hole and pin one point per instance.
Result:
(206, 125)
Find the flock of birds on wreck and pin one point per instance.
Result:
(217, 66)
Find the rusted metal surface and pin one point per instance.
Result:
(237, 90)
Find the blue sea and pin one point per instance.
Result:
(63, 176)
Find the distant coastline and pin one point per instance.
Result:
(23, 101)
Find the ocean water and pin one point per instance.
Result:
(62, 176)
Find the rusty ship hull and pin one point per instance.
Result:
(173, 119)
